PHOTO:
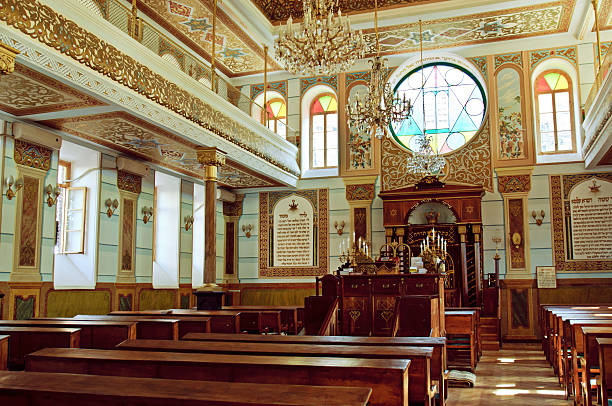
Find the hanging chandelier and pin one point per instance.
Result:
(424, 161)
(378, 108)
(322, 45)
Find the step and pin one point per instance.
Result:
(488, 321)
(490, 346)
(488, 337)
(488, 329)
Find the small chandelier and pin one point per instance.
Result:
(378, 108)
(324, 45)
(425, 160)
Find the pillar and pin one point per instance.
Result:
(476, 229)
(360, 192)
(231, 216)
(463, 241)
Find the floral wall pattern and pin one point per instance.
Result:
(510, 114)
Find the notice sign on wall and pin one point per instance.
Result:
(547, 277)
(293, 232)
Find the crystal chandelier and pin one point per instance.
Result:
(378, 108)
(425, 160)
(322, 45)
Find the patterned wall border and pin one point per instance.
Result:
(352, 77)
(569, 53)
(560, 186)
(129, 182)
(320, 200)
(307, 83)
(481, 63)
(32, 155)
(360, 192)
(280, 87)
(41, 22)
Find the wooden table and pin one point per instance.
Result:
(103, 334)
(419, 382)
(37, 388)
(146, 328)
(4, 352)
(387, 378)
(25, 340)
(438, 360)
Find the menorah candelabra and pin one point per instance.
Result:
(358, 252)
(433, 251)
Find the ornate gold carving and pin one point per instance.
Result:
(29, 92)
(469, 165)
(7, 59)
(514, 183)
(129, 182)
(360, 192)
(43, 23)
(32, 155)
(233, 209)
(210, 156)
(29, 222)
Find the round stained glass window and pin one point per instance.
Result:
(448, 105)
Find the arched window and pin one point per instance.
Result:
(449, 105)
(276, 109)
(324, 131)
(554, 113)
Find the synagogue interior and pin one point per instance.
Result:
(306, 202)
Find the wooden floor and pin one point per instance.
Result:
(516, 375)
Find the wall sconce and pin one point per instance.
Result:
(339, 227)
(147, 213)
(52, 194)
(246, 229)
(537, 219)
(188, 222)
(10, 181)
(111, 206)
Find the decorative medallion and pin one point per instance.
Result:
(360, 192)
(32, 155)
(514, 183)
(129, 182)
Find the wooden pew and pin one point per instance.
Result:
(221, 321)
(605, 366)
(187, 324)
(38, 388)
(419, 382)
(24, 340)
(153, 329)
(438, 360)
(461, 338)
(104, 334)
(478, 334)
(259, 322)
(289, 315)
(4, 352)
(590, 361)
(387, 378)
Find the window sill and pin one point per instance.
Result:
(559, 158)
(319, 173)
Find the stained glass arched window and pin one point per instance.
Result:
(448, 105)
(277, 116)
(555, 117)
(324, 131)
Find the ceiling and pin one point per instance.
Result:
(33, 96)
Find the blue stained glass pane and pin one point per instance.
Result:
(464, 123)
(409, 127)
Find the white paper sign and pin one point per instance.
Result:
(547, 277)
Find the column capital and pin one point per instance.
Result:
(7, 58)
(210, 156)
(514, 180)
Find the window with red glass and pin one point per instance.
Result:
(276, 109)
(324, 132)
(555, 113)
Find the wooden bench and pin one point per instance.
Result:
(478, 334)
(288, 314)
(187, 324)
(589, 363)
(438, 360)
(104, 334)
(605, 366)
(4, 352)
(221, 321)
(461, 338)
(146, 328)
(387, 378)
(419, 382)
(259, 322)
(24, 340)
(37, 388)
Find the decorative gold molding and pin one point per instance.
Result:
(210, 156)
(7, 58)
(129, 182)
(41, 22)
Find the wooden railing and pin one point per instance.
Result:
(329, 327)
(319, 314)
